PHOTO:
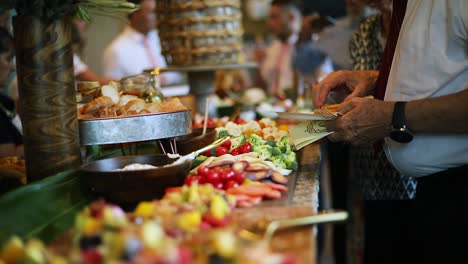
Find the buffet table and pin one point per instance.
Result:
(27, 211)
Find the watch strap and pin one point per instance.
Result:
(399, 118)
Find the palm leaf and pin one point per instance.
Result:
(43, 209)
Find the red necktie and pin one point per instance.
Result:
(279, 63)
(149, 53)
(398, 14)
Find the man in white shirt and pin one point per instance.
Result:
(276, 69)
(423, 120)
(137, 48)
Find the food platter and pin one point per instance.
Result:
(142, 127)
(302, 116)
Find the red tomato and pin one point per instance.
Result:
(219, 185)
(207, 153)
(189, 180)
(218, 169)
(238, 177)
(213, 177)
(227, 144)
(246, 148)
(221, 151)
(227, 174)
(239, 121)
(203, 171)
(209, 123)
(231, 184)
(235, 152)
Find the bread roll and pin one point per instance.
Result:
(153, 107)
(87, 87)
(124, 99)
(171, 105)
(112, 92)
(93, 106)
(134, 106)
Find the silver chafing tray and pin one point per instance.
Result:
(101, 131)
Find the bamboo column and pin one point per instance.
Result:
(44, 60)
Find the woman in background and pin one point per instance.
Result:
(11, 140)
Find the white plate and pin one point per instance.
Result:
(302, 116)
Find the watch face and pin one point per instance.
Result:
(401, 136)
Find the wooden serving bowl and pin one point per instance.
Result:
(131, 187)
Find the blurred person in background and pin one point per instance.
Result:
(312, 63)
(11, 140)
(276, 72)
(137, 47)
(334, 40)
(81, 71)
(420, 113)
(10, 87)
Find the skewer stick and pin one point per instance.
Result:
(205, 120)
(162, 147)
(171, 142)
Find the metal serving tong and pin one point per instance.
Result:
(327, 216)
(191, 156)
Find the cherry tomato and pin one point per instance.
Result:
(219, 185)
(213, 177)
(227, 144)
(231, 184)
(239, 121)
(207, 153)
(218, 169)
(227, 174)
(238, 177)
(235, 152)
(246, 148)
(221, 151)
(209, 123)
(203, 171)
(189, 180)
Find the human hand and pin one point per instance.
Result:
(358, 83)
(364, 120)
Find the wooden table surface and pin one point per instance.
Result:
(302, 201)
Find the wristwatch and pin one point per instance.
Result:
(400, 131)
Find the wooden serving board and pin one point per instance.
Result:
(297, 242)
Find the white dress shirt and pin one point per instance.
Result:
(431, 60)
(128, 55)
(277, 66)
(78, 65)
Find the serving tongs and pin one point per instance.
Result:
(194, 154)
(327, 216)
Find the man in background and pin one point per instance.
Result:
(276, 70)
(334, 40)
(137, 48)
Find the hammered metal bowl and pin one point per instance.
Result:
(131, 187)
